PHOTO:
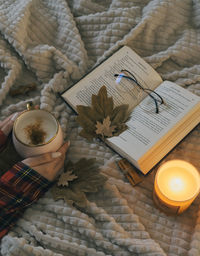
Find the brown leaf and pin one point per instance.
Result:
(102, 96)
(105, 102)
(89, 180)
(120, 128)
(65, 177)
(97, 108)
(94, 119)
(120, 114)
(85, 118)
(71, 197)
(105, 129)
(87, 135)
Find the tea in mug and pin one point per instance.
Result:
(35, 128)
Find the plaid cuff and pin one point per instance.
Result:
(21, 186)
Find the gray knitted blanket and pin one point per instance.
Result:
(52, 43)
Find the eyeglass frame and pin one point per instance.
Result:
(147, 90)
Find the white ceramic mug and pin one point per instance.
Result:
(35, 132)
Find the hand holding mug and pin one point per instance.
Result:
(46, 164)
(49, 164)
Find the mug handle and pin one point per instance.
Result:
(30, 105)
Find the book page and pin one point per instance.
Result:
(124, 58)
(148, 128)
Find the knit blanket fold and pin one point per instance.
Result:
(52, 44)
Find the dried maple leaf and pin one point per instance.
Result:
(102, 107)
(89, 180)
(105, 129)
(65, 177)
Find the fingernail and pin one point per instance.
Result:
(56, 154)
(68, 143)
(14, 116)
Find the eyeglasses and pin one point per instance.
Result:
(127, 83)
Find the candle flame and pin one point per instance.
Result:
(176, 184)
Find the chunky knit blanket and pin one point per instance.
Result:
(52, 44)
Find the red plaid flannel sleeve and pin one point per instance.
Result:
(20, 187)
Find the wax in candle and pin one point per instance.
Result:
(177, 183)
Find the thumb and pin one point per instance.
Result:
(63, 149)
(41, 159)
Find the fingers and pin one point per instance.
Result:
(63, 149)
(14, 115)
(60, 163)
(7, 124)
(51, 169)
(41, 159)
(7, 128)
(47, 157)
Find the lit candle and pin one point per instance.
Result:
(177, 184)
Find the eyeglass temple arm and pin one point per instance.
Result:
(155, 101)
(130, 78)
(133, 78)
(127, 71)
(162, 101)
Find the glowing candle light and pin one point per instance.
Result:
(177, 184)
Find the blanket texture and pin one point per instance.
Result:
(52, 44)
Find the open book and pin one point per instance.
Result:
(150, 136)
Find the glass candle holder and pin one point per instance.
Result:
(177, 184)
